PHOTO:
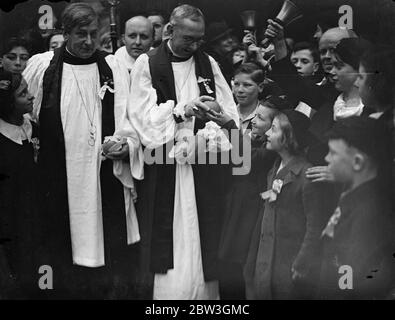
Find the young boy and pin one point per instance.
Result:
(305, 58)
(358, 239)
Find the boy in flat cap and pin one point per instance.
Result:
(358, 238)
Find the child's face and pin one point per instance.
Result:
(15, 60)
(238, 56)
(245, 89)
(304, 62)
(274, 136)
(23, 99)
(262, 121)
(344, 75)
(340, 160)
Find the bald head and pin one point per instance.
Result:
(139, 36)
(328, 42)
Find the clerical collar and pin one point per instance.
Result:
(72, 59)
(16, 133)
(173, 56)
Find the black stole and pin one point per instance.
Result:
(156, 193)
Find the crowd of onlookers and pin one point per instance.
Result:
(319, 193)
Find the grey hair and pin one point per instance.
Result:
(185, 11)
(77, 14)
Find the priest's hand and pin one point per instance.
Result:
(197, 107)
(120, 154)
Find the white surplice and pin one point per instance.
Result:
(156, 126)
(83, 161)
(123, 56)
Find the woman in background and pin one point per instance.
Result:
(14, 55)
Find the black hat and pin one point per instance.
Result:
(350, 50)
(362, 133)
(278, 102)
(300, 125)
(217, 30)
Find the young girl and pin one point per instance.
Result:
(282, 261)
(17, 183)
(243, 201)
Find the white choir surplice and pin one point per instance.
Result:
(156, 126)
(123, 56)
(83, 161)
(78, 111)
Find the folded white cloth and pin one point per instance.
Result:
(209, 139)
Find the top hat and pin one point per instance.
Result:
(217, 30)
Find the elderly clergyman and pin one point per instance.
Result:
(87, 199)
(180, 205)
(138, 38)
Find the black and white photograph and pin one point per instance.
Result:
(210, 151)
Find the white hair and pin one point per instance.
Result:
(185, 11)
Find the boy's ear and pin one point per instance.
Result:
(260, 87)
(316, 66)
(359, 161)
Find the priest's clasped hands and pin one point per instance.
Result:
(116, 150)
(206, 108)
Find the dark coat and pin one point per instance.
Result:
(321, 123)
(299, 88)
(286, 235)
(364, 240)
(18, 214)
(243, 204)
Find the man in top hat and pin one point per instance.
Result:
(180, 205)
(87, 205)
(220, 45)
(359, 237)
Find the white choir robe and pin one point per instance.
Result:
(156, 126)
(83, 161)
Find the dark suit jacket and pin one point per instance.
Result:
(298, 88)
(364, 240)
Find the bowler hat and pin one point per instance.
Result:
(217, 30)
